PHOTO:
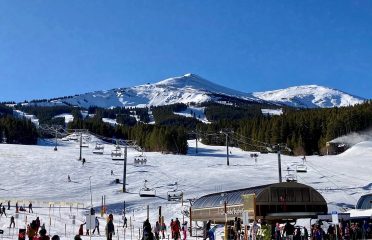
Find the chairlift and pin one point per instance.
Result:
(98, 149)
(301, 168)
(290, 177)
(147, 192)
(65, 139)
(72, 137)
(84, 144)
(175, 194)
(140, 160)
(117, 154)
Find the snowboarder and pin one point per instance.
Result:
(30, 208)
(96, 226)
(68, 178)
(12, 222)
(110, 229)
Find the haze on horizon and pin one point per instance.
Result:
(58, 48)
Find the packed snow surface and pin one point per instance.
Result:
(309, 96)
(39, 174)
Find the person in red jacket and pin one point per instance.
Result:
(176, 230)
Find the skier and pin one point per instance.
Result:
(96, 226)
(8, 204)
(110, 229)
(30, 208)
(12, 222)
(81, 229)
(4, 211)
(43, 235)
(83, 161)
(112, 172)
(184, 230)
(157, 230)
(55, 237)
(16, 207)
(177, 227)
(172, 228)
(125, 222)
(163, 229)
(206, 230)
(37, 221)
(68, 178)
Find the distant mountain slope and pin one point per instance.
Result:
(309, 96)
(192, 88)
(184, 89)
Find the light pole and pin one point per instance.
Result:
(90, 188)
(225, 210)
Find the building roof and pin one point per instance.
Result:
(365, 202)
(233, 197)
(276, 201)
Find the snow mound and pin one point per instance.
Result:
(360, 149)
(309, 96)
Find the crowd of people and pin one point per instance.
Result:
(261, 231)
(160, 229)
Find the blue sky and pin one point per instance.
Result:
(63, 47)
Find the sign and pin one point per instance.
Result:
(91, 221)
(245, 217)
(249, 204)
(334, 217)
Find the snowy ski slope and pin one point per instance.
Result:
(39, 174)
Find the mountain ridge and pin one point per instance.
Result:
(193, 88)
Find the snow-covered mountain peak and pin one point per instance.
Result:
(183, 89)
(193, 88)
(309, 96)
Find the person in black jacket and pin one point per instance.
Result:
(110, 229)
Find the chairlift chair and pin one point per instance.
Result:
(72, 137)
(117, 154)
(98, 149)
(84, 144)
(175, 194)
(301, 168)
(290, 177)
(147, 192)
(140, 160)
